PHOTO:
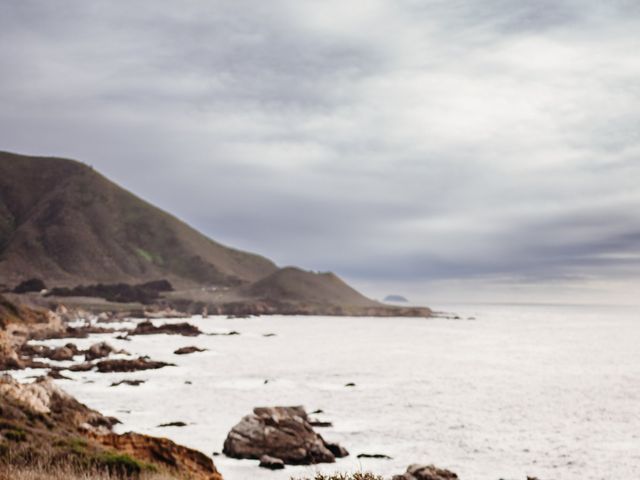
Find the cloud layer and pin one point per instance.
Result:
(416, 144)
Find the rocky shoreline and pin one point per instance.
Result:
(275, 436)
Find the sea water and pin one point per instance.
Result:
(499, 393)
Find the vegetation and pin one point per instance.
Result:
(346, 476)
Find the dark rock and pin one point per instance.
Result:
(374, 455)
(320, 423)
(268, 334)
(317, 412)
(58, 354)
(228, 334)
(188, 350)
(337, 450)
(350, 384)
(172, 424)
(426, 472)
(280, 432)
(148, 328)
(133, 383)
(65, 353)
(271, 463)
(140, 363)
(81, 367)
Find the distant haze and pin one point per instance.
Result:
(441, 150)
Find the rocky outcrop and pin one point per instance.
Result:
(283, 433)
(163, 451)
(45, 424)
(123, 365)
(426, 472)
(45, 398)
(148, 328)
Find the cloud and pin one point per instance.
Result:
(390, 141)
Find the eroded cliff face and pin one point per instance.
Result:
(162, 451)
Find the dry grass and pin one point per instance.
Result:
(345, 476)
(40, 472)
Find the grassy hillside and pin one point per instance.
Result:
(67, 224)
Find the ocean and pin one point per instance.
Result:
(500, 393)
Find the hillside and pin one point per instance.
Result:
(84, 236)
(67, 224)
(295, 285)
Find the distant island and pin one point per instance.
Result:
(395, 299)
(71, 233)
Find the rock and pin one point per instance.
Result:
(280, 432)
(81, 367)
(55, 374)
(350, 384)
(374, 455)
(98, 350)
(140, 363)
(227, 334)
(337, 450)
(172, 424)
(425, 472)
(59, 354)
(148, 328)
(65, 353)
(271, 463)
(188, 350)
(320, 423)
(268, 334)
(133, 383)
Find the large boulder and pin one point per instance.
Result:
(280, 432)
(426, 472)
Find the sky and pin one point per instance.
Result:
(447, 150)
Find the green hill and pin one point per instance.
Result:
(63, 222)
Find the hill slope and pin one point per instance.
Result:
(296, 285)
(67, 224)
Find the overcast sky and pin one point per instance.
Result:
(443, 149)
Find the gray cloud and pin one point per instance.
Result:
(395, 142)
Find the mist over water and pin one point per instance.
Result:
(519, 390)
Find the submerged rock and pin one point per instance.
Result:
(188, 350)
(140, 363)
(133, 383)
(283, 433)
(375, 455)
(426, 472)
(172, 424)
